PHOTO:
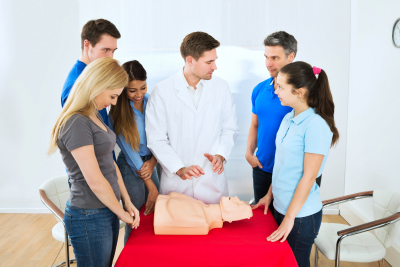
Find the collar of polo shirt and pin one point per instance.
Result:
(302, 116)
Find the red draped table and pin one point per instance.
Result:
(240, 243)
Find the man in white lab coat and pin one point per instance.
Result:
(191, 124)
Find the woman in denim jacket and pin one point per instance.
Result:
(135, 161)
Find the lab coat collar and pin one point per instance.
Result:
(180, 85)
(186, 83)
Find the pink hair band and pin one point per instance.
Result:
(316, 70)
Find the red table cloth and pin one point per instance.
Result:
(240, 243)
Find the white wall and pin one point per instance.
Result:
(373, 131)
(43, 42)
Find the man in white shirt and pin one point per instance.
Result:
(191, 124)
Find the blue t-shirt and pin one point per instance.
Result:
(308, 132)
(133, 158)
(267, 106)
(69, 83)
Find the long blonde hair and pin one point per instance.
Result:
(100, 75)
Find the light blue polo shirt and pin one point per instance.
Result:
(307, 132)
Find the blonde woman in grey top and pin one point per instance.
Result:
(85, 142)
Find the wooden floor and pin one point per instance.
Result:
(26, 240)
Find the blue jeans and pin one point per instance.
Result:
(261, 182)
(302, 236)
(135, 186)
(93, 234)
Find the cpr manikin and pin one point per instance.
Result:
(178, 214)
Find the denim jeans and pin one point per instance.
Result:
(93, 234)
(261, 182)
(302, 236)
(135, 186)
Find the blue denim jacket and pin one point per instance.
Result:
(134, 158)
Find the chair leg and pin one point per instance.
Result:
(67, 260)
(316, 256)
(379, 263)
(383, 262)
(337, 258)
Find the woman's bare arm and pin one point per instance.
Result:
(87, 162)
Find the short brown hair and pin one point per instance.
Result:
(196, 43)
(94, 29)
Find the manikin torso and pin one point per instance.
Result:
(178, 214)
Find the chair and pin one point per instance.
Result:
(340, 242)
(54, 194)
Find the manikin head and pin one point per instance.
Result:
(233, 209)
(280, 50)
(198, 49)
(99, 39)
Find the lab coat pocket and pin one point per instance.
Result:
(220, 182)
(169, 184)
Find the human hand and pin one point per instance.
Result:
(133, 211)
(253, 161)
(151, 201)
(126, 218)
(187, 173)
(283, 230)
(265, 201)
(216, 162)
(147, 169)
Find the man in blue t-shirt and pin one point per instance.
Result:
(280, 49)
(98, 39)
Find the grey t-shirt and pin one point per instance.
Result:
(81, 131)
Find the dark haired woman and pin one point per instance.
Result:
(135, 161)
(303, 142)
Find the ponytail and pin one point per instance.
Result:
(319, 96)
(321, 99)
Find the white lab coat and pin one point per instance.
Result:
(178, 135)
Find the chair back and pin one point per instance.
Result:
(386, 203)
(57, 191)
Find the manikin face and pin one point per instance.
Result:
(275, 59)
(285, 92)
(204, 67)
(136, 90)
(107, 97)
(233, 209)
(104, 48)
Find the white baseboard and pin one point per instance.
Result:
(24, 210)
(354, 217)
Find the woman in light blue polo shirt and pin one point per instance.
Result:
(135, 161)
(303, 142)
